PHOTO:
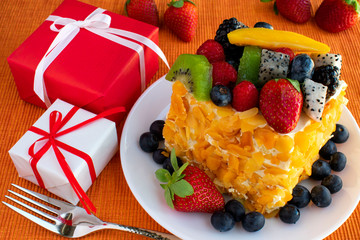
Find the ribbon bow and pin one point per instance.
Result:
(99, 24)
(56, 122)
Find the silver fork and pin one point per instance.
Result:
(71, 221)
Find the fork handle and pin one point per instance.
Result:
(144, 232)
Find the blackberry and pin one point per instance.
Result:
(232, 52)
(329, 76)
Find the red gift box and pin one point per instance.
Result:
(91, 72)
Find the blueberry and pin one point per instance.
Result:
(320, 169)
(220, 95)
(236, 209)
(289, 214)
(320, 196)
(338, 161)
(341, 134)
(222, 221)
(301, 196)
(263, 25)
(158, 156)
(148, 142)
(302, 66)
(253, 221)
(333, 183)
(157, 127)
(167, 164)
(327, 150)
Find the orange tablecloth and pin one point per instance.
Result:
(110, 193)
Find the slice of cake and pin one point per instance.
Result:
(243, 152)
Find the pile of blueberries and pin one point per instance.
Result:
(320, 194)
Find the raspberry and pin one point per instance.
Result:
(287, 51)
(212, 50)
(245, 96)
(223, 73)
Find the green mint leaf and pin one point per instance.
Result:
(168, 198)
(163, 175)
(276, 9)
(182, 188)
(173, 160)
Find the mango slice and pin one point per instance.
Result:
(271, 39)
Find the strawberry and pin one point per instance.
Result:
(298, 11)
(245, 96)
(287, 51)
(181, 18)
(189, 189)
(337, 15)
(281, 103)
(223, 73)
(212, 50)
(142, 10)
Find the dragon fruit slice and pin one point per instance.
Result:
(273, 65)
(314, 99)
(332, 59)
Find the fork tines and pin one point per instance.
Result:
(55, 202)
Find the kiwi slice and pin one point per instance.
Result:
(249, 65)
(195, 72)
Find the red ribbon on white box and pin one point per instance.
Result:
(98, 23)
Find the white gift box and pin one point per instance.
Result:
(98, 139)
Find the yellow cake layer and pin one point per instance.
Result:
(241, 153)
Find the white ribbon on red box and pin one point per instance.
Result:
(98, 23)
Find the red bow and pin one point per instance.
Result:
(55, 124)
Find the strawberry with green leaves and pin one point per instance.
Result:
(280, 103)
(337, 15)
(189, 189)
(142, 10)
(181, 18)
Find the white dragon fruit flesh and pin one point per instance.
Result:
(314, 99)
(273, 65)
(324, 59)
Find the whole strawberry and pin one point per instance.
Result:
(298, 11)
(143, 10)
(223, 73)
(337, 15)
(189, 189)
(245, 96)
(181, 18)
(281, 103)
(212, 50)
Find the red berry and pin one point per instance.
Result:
(143, 10)
(212, 50)
(298, 11)
(287, 51)
(245, 96)
(223, 73)
(337, 15)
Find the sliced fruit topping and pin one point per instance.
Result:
(281, 103)
(272, 65)
(249, 65)
(195, 72)
(301, 67)
(314, 99)
(245, 96)
(212, 50)
(272, 39)
(188, 189)
(223, 73)
(332, 59)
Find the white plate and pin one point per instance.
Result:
(139, 169)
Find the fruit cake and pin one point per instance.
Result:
(248, 153)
